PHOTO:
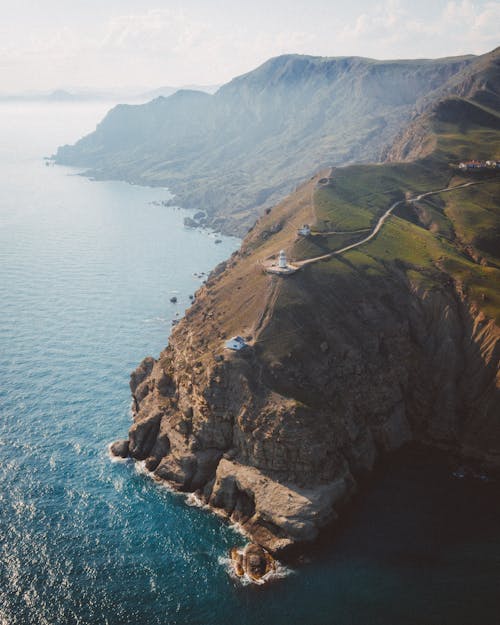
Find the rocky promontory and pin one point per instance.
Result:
(355, 347)
(346, 360)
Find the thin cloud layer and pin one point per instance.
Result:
(185, 44)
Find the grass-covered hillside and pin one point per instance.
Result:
(349, 356)
(446, 238)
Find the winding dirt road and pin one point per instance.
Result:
(379, 224)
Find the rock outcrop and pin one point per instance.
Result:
(253, 561)
(282, 468)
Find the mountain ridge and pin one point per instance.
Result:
(237, 152)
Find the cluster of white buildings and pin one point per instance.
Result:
(479, 165)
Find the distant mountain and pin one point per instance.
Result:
(64, 95)
(106, 95)
(167, 91)
(239, 150)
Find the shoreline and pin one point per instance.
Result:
(222, 225)
(449, 466)
(222, 228)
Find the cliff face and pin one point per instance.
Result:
(344, 364)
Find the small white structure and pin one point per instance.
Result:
(305, 231)
(236, 343)
(281, 267)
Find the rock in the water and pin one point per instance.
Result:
(120, 448)
(191, 223)
(237, 561)
(253, 561)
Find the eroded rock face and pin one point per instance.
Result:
(228, 427)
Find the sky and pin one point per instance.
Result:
(109, 44)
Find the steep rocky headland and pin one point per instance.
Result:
(234, 153)
(350, 357)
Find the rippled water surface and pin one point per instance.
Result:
(87, 270)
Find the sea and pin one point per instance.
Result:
(87, 272)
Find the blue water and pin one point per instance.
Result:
(87, 270)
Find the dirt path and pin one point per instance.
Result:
(270, 301)
(379, 224)
(317, 233)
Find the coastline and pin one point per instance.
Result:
(414, 456)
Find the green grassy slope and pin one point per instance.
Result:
(457, 233)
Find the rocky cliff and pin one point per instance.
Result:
(347, 359)
(356, 353)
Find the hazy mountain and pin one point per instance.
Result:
(241, 149)
(167, 91)
(135, 95)
(66, 95)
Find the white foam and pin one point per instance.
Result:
(156, 320)
(140, 467)
(193, 500)
(236, 527)
(118, 485)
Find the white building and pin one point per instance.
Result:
(282, 264)
(236, 343)
(305, 231)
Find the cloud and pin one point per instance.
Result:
(154, 31)
(180, 45)
(460, 27)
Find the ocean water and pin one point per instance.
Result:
(87, 270)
